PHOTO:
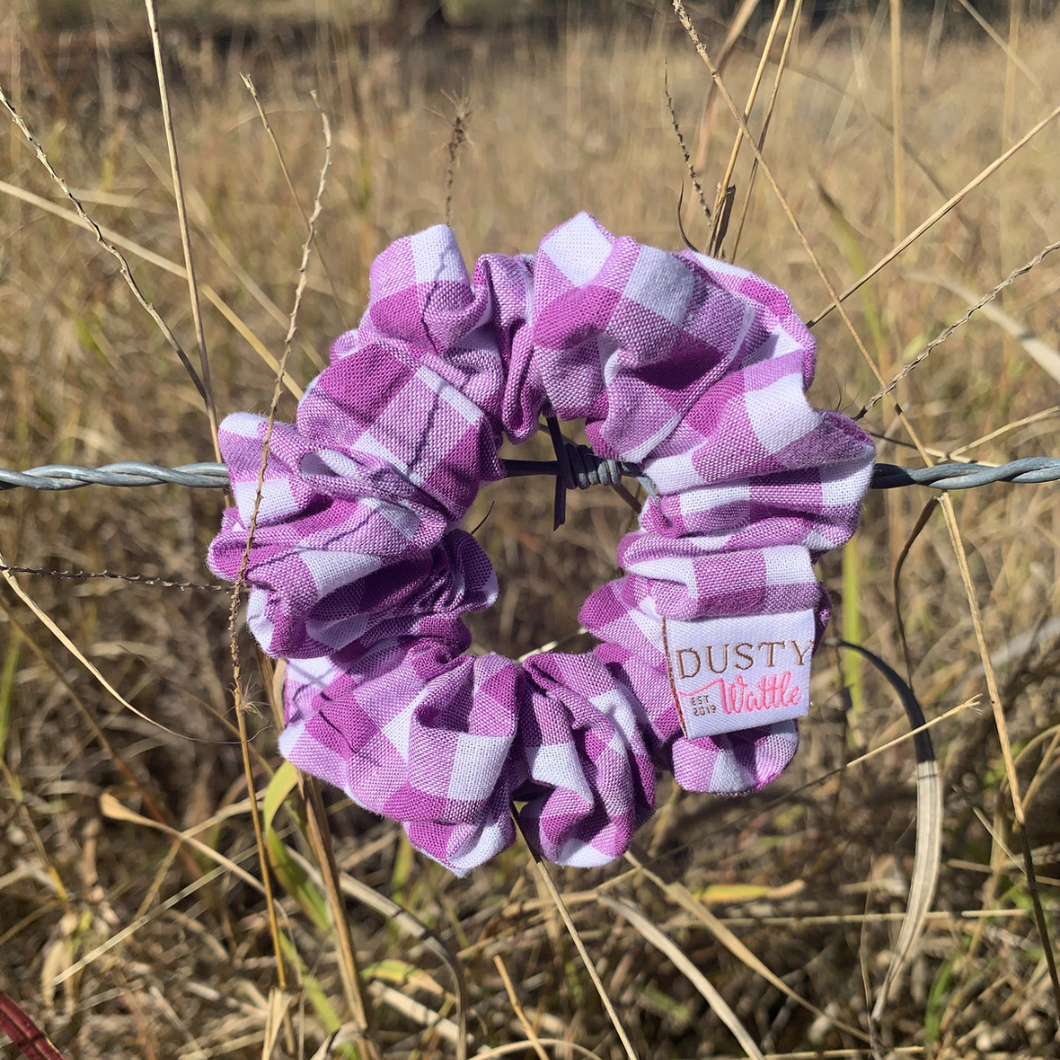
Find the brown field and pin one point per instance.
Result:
(123, 942)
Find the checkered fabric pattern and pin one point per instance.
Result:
(694, 369)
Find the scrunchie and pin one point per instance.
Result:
(692, 368)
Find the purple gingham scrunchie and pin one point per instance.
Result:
(690, 367)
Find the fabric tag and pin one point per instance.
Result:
(729, 674)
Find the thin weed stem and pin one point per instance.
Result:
(252, 89)
(897, 119)
(681, 144)
(937, 216)
(182, 222)
(963, 319)
(520, 1015)
(457, 138)
(237, 591)
(686, 21)
(782, 64)
(142, 252)
(106, 244)
(579, 944)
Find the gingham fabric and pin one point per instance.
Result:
(359, 572)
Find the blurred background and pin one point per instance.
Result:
(109, 937)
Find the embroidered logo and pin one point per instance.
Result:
(728, 674)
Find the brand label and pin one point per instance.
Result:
(728, 674)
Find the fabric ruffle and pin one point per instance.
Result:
(359, 575)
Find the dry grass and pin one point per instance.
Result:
(122, 942)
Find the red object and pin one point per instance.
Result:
(25, 1035)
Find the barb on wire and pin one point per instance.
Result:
(583, 469)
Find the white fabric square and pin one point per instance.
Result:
(712, 497)
(316, 673)
(243, 424)
(373, 446)
(466, 408)
(277, 500)
(558, 764)
(661, 283)
(788, 565)
(333, 569)
(578, 249)
(779, 413)
(260, 626)
(722, 268)
(435, 256)
(475, 767)
(397, 729)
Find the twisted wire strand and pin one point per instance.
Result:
(57, 477)
(135, 579)
(581, 469)
(584, 469)
(967, 476)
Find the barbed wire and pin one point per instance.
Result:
(135, 579)
(61, 477)
(586, 469)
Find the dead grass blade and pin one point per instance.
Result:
(796, 11)
(682, 896)
(320, 840)
(157, 810)
(200, 215)
(661, 941)
(1006, 744)
(74, 650)
(579, 943)
(130, 929)
(1047, 358)
(409, 925)
(736, 27)
(557, 1044)
(411, 1009)
(107, 245)
(912, 734)
(1015, 425)
(182, 223)
(1003, 44)
(110, 806)
(276, 1015)
(927, 858)
(701, 50)
(937, 216)
(717, 236)
(162, 263)
(513, 1000)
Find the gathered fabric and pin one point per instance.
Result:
(359, 572)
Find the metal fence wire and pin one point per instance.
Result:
(59, 477)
